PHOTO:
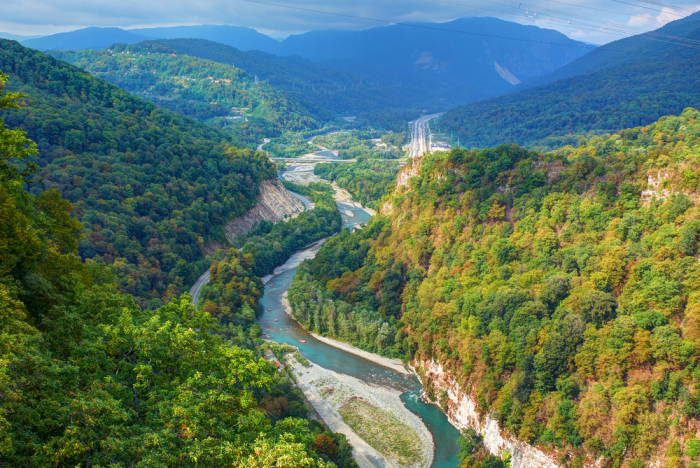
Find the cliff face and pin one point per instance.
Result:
(272, 204)
(461, 409)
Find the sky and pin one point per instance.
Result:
(596, 21)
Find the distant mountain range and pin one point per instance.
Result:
(98, 38)
(428, 64)
(457, 62)
(630, 82)
(88, 38)
(15, 37)
(239, 37)
(322, 89)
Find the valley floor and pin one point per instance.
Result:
(363, 412)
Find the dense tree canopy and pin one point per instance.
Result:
(198, 88)
(88, 378)
(594, 102)
(366, 180)
(235, 287)
(150, 187)
(561, 289)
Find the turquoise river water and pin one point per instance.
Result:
(286, 330)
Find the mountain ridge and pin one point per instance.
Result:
(658, 79)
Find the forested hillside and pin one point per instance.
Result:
(323, 90)
(149, 186)
(88, 378)
(669, 40)
(416, 66)
(367, 180)
(442, 64)
(234, 288)
(197, 88)
(560, 289)
(633, 82)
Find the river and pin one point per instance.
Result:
(286, 330)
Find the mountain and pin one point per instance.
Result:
(149, 186)
(627, 51)
(208, 91)
(456, 62)
(325, 90)
(549, 302)
(100, 38)
(88, 38)
(237, 36)
(649, 79)
(15, 37)
(428, 64)
(81, 361)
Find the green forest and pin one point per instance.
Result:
(369, 143)
(198, 88)
(559, 288)
(89, 378)
(149, 186)
(367, 180)
(235, 287)
(326, 92)
(598, 102)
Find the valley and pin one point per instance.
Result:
(445, 242)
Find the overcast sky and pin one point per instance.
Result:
(597, 21)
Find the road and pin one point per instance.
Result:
(308, 204)
(419, 144)
(204, 279)
(194, 290)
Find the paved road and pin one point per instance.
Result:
(204, 279)
(194, 290)
(308, 204)
(419, 144)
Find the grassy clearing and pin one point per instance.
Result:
(383, 431)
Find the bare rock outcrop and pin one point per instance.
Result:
(274, 203)
(462, 411)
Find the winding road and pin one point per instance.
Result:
(194, 290)
(204, 279)
(419, 146)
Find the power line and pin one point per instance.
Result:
(617, 27)
(552, 20)
(687, 10)
(649, 8)
(599, 9)
(423, 26)
(550, 17)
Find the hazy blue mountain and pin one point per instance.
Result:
(322, 89)
(652, 79)
(237, 36)
(440, 59)
(629, 50)
(88, 38)
(433, 65)
(15, 37)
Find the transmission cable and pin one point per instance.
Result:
(551, 15)
(434, 28)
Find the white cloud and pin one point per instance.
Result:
(32, 17)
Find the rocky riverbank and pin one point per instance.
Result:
(381, 430)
